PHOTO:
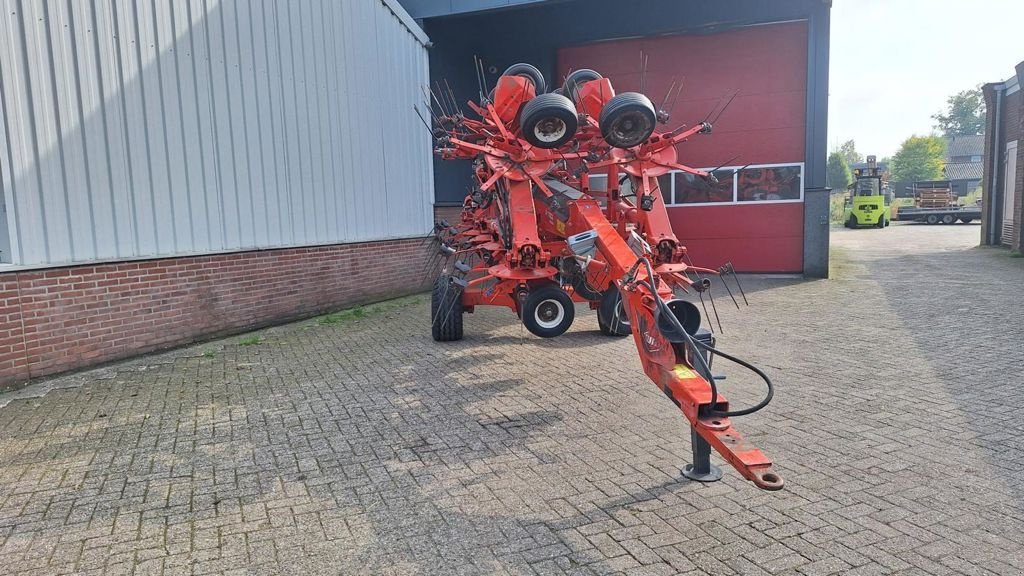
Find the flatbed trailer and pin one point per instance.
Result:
(945, 215)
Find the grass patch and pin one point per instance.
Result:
(250, 341)
(209, 354)
(349, 314)
(1016, 254)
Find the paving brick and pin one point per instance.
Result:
(364, 447)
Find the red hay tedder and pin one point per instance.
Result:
(538, 233)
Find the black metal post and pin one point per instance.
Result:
(702, 470)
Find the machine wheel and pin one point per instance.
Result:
(887, 221)
(932, 219)
(549, 121)
(445, 310)
(948, 219)
(881, 222)
(611, 315)
(627, 120)
(528, 71)
(967, 220)
(548, 311)
(577, 77)
(851, 222)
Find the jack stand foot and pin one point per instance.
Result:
(702, 470)
(713, 474)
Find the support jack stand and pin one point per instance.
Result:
(702, 470)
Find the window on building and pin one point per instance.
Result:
(692, 189)
(769, 183)
(975, 158)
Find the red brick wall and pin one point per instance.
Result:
(65, 318)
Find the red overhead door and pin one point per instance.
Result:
(757, 221)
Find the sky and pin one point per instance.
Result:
(895, 62)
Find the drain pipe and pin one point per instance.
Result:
(995, 226)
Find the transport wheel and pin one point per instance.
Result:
(528, 71)
(627, 120)
(548, 311)
(549, 121)
(611, 314)
(851, 222)
(575, 79)
(887, 221)
(948, 219)
(967, 220)
(932, 219)
(881, 222)
(445, 310)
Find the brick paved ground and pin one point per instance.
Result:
(362, 447)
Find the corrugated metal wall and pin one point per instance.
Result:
(154, 127)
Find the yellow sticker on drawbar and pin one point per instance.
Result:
(560, 226)
(683, 372)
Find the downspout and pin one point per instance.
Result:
(995, 227)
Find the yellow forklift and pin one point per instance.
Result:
(869, 199)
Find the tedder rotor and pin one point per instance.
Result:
(565, 207)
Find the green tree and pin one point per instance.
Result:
(965, 114)
(837, 174)
(919, 158)
(850, 154)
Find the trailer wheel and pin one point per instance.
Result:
(627, 120)
(528, 71)
(948, 219)
(611, 314)
(446, 310)
(549, 121)
(575, 79)
(932, 219)
(967, 220)
(548, 311)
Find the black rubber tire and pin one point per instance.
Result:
(851, 222)
(549, 121)
(948, 219)
(611, 316)
(528, 71)
(548, 303)
(881, 222)
(932, 219)
(577, 77)
(627, 120)
(446, 310)
(967, 220)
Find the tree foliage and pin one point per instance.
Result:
(919, 158)
(964, 115)
(849, 153)
(837, 174)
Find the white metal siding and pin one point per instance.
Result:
(134, 128)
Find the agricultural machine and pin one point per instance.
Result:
(540, 232)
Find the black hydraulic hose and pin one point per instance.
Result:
(700, 357)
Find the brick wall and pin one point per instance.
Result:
(449, 213)
(65, 318)
(1009, 230)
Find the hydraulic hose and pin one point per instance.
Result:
(696, 346)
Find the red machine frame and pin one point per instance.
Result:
(532, 221)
